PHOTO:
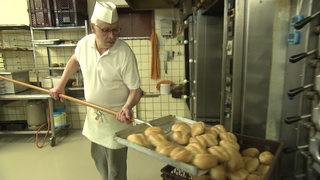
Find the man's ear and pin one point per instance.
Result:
(93, 30)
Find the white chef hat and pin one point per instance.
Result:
(105, 11)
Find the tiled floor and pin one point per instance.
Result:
(70, 159)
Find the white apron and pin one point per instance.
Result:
(100, 127)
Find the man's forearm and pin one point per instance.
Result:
(133, 98)
(71, 67)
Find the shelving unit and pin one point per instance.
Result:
(34, 95)
(52, 39)
(44, 56)
(51, 42)
(15, 47)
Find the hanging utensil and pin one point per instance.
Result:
(166, 63)
(138, 121)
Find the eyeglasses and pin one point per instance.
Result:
(106, 31)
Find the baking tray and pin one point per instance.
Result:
(166, 122)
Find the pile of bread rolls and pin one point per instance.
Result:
(210, 148)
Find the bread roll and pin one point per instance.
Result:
(218, 128)
(229, 144)
(266, 157)
(263, 169)
(153, 129)
(204, 161)
(203, 177)
(250, 152)
(210, 139)
(246, 159)
(201, 140)
(181, 126)
(193, 140)
(196, 148)
(209, 130)
(165, 148)
(197, 128)
(220, 153)
(252, 164)
(180, 137)
(254, 177)
(155, 138)
(207, 140)
(218, 173)
(139, 139)
(235, 163)
(241, 174)
(181, 154)
(228, 136)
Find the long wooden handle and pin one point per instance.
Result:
(62, 96)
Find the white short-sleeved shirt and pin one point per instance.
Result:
(107, 80)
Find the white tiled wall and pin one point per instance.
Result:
(149, 107)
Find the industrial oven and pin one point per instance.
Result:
(269, 74)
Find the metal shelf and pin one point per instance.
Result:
(31, 131)
(75, 88)
(15, 49)
(46, 42)
(34, 95)
(25, 95)
(14, 27)
(53, 133)
(49, 68)
(55, 45)
(59, 28)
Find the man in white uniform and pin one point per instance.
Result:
(111, 80)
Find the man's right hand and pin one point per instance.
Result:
(54, 93)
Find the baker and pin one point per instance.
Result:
(111, 80)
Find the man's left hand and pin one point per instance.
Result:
(125, 115)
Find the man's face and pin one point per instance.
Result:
(106, 34)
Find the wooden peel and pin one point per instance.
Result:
(61, 96)
(137, 121)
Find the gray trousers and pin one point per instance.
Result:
(111, 163)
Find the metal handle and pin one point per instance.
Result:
(298, 57)
(293, 92)
(62, 96)
(300, 24)
(291, 150)
(292, 119)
